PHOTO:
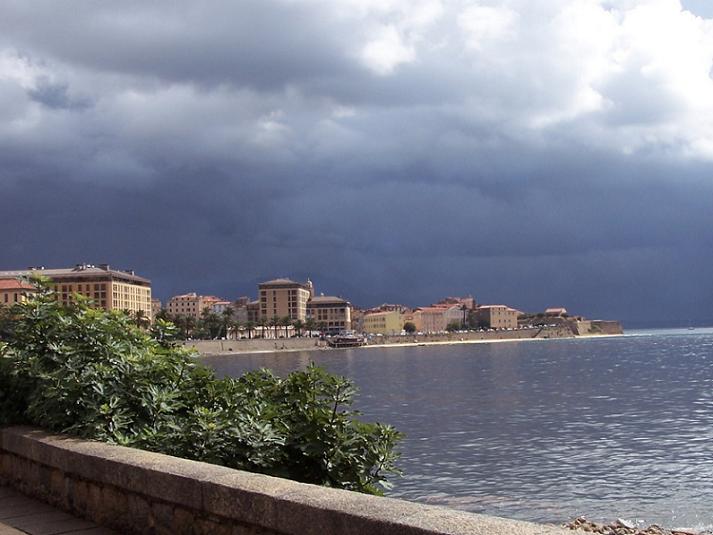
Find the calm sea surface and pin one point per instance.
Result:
(544, 431)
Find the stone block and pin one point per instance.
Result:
(115, 505)
(162, 515)
(207, 526)
(183, 521)
(245, 497)
(138, 512)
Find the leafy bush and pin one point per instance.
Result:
(94, 374)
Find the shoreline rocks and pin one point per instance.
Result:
(624, 527)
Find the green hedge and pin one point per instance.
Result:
(94, 374)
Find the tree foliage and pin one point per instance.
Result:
(95, 374)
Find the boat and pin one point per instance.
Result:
(346, 340)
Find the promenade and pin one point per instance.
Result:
(21, 515)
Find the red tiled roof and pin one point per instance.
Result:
(14, 284)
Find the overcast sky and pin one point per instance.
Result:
(537, 153)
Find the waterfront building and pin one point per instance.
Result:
(432, 319)
(332, 314)
(454, 313)
(280, 298)
(191, 304)
(14, 291)
(110, 289)
(389, 322)
(497, 316)
(414, 317)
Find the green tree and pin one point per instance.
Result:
(140, 319)
(250, 327)
(286, 322)
(94, 374)
(298, 325)
(410, 327)
(310, 325)
(226, 319)
(275, 323)
(262, 322)
(453, 326)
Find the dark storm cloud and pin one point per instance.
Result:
(392, 151)
(55, 96)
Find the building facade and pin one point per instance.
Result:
(155, 306)
(382, 322)
(280, 298)
(432, 319)
(331, 314)
(190, 304)
(497, 316)
(110, 289)
(14, 291)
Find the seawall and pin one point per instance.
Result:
(138, 492)
(256, 345)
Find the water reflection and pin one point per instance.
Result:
(612, 427)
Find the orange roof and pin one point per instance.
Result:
(14, 284)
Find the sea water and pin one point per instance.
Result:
(611, 427)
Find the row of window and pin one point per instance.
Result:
(15, 299)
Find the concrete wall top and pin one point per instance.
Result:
(269, 503)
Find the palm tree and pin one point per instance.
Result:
(274, 323)
(235, 326)
(310, 325)
(262, 323)
(250, 326)
(140, 319)
(226, 319)
(286, 322)
(299, 325)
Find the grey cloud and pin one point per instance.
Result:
(56, 96)
(209, 148)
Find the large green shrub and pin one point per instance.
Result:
(94, 374)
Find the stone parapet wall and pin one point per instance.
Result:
(560, 331)
(207, 347)
(136, 492)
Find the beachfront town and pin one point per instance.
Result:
(283, 308)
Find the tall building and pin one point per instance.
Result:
(284, 298)
(111, 289)
(331, 314)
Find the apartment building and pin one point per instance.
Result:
(191, 304)
(497, 316)
(284, 298)
(14, 291)
(431, 319)
(332, 314)
(108, 288)
(382, 322)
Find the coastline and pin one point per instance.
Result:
(211, 348)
